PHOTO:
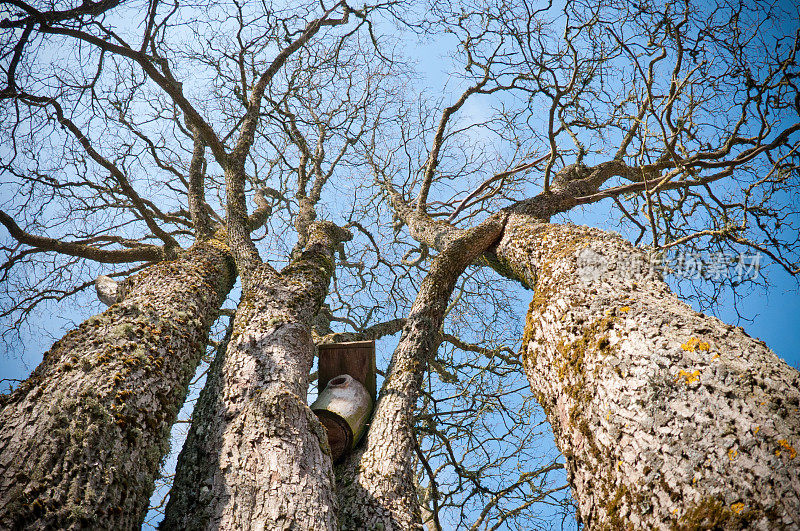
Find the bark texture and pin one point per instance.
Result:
(668, 418)
(376, 486)
(81, 439)
(256, 456)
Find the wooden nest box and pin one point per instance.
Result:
(347, 392)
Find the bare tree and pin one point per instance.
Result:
(680, 120)
(83, 436)
(612, 356)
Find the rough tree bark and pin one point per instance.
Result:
(376, 487)
(81, 439)
(667, 417)
(256, 456)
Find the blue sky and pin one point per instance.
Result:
(773, 312)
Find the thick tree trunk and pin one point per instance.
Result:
(256, 456)
(81, 439)
(667, 417)
(376, 485)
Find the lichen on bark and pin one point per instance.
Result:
(667, 417)
(376, 486)
(82, 438)
(256, 456)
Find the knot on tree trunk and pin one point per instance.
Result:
(109, 291)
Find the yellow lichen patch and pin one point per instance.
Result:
(122, 395)
(732, 454)
(694, 344)
(690, 377)
(788, 447)
(625, 309)
(715, 356)
(711, 513)
(756, 429)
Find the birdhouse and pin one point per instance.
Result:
(347, 393)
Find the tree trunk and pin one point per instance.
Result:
(376, 484)
(256, 456)
(667, 417)
(81, 439)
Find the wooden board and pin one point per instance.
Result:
(356, 359)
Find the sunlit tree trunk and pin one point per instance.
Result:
(667, 417)
(256, 456)
(376, 484)
(81, 439)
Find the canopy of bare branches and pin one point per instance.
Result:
(129, 129)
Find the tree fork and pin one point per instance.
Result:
(667, 417)
(82, 438)
(256, 456)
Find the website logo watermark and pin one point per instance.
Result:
(683, 264)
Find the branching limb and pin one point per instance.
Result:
(144, 253)
(122, 180)
(33, 15)
(169, 85)
(247, 256)
(485, 184)
(376, 331)
(438, 139)
(198, 208)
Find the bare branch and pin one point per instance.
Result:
(145, 253)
